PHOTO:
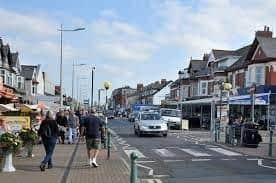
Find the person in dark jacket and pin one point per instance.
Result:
(62, 121)
(49, 140)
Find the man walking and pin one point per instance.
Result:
(92, 125)
(73, 123)
(62, 124)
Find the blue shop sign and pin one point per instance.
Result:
(260, 99)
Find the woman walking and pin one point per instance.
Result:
(49, 133)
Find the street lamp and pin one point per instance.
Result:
(107, 85)
(61, 31)
(92, 85)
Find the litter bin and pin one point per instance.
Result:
(250, 135)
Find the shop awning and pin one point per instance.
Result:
(7, 108)
(206, 101)
(260, 99)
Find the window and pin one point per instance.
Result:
(14, 84)
(195, 89)
(259, 75)
(204, 88)
(9, 79)
(34, 89)
(20, 81)
(250, 76)
(3, 75)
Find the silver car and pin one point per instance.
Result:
(150, 123)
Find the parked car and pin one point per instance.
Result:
(150, 123)
(171, 116)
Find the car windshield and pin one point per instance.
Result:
(171, 113)
(150, 117)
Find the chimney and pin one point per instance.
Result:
(163, 81)
(140, 87)
(265, 33)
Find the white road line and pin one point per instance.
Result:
(126, 164)
(114, 146)
(195, 153)
(224, 159)
(129, 151)
(260, 163)
(145, 161)
(225, 152)
(146, 167)
(164, 152)
(253, 159)
(172, 160)
(198, 160)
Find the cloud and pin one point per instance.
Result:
(26, 24)
(109, 13)
(121, 41)
(116, 71)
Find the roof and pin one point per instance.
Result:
(196, 65)
(27, 71)
(222, 53)
(268, 45)
(241, 62)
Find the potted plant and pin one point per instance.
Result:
(10, 144)
(29, 137)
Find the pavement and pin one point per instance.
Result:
(189, 156)
(70, 165)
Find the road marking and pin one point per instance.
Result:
(146, 167)
(252, 159)
(164, 152)
(145, 161)
(138, 153)
(114, 146)
(198, 160)
(225, 152)
(172, 160)
(160, 176)
(224, 159)
(195, 153)
(151, 181)
(260, 163)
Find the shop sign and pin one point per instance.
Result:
(17, 123)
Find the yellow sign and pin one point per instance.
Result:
(16, 123)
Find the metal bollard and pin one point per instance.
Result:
(133, 171)
(108, 144)
(270, 143)
(105, 133)
(216, 135)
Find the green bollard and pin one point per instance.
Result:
(133, 171)
(108, 144)
(270, 143)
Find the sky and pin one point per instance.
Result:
(127, 41)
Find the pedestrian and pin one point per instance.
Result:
(49, 133)
(93, 126)
(73, 124)
(62, 124)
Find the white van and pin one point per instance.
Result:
(171, 116)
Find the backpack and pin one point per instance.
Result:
(46, 131)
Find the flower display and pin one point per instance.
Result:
(9, 142)
(28, 136)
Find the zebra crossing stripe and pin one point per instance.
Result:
(225, 152)
(138, 153)
(164, 153)
(195, 153)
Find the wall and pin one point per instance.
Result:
(40, 86)
(161, 95)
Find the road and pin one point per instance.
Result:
(187, 158)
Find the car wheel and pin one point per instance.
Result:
(165, 134)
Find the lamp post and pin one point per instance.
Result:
(107, 85)
(61, 49)
(92, 85)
